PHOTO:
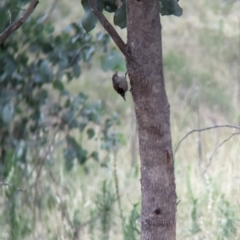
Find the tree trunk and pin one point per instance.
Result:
(145, 69)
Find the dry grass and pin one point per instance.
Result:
(201, 59)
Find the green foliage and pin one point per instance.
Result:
(60, 61)
(131, 228)
(40, 116)
(13, 9)
(109, 5)
(111, 140)
(89, 20)
(26, 80)
(62, 206)
(120, 16)
(105, 203)
(170, 7)
(194, 206)
(227, 221)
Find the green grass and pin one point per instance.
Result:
(201, 61)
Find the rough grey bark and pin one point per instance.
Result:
(145, 69)
(143, 53)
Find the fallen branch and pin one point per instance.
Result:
(204, 129)
(210, 159)
(14, 26)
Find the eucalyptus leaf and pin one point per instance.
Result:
(90, 133)
(76, 70)
(69, 156)
(170, 7)
(58, 85)
(109, 6)
(89, 52)
(120, 16)
(89, 19)
(94, 155)
(8, 112)
(45, 70)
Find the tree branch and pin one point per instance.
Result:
(9, 185)
(108, 27)
(224, 141)
(49, 11)
(14, 26)
(205, 129)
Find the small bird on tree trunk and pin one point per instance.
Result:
(120, 84)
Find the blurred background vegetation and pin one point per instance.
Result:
(69, 165)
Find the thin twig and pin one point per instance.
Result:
(10, 14)
(178, 202)
(204, 129)
(199, 133)
(10, 17)
(109, 28)
(210, 159)
(57, 183)
(45, 155)
(14, 26)
(76, 228)
(9, 185)
(39, 171)
(198, 89)
(49, 12)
